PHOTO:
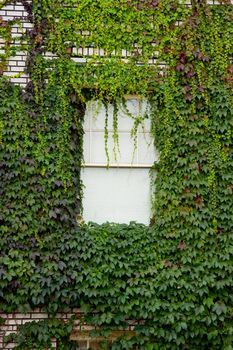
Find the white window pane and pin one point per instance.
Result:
(124, 155)
(130, 154)
(146, 149)
(98, 154)
(97, 116)
(87, 147)
(116, 195)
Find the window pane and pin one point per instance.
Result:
(121, 193)
(116, 195)
(130, 151)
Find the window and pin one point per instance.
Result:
(121, 192)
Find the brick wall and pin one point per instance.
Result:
(15, 70)
(16, 65)
(13, 320)
(80, 333)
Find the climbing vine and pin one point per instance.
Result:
(175, 276)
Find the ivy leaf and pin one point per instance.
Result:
(220, 308)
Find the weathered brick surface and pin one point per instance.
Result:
(13, 320)
(80, 334)
(16, 66)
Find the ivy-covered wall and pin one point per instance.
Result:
(175, 275)
(15, 16)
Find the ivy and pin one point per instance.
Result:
(40, 183)
(175, 276)
(38, 335)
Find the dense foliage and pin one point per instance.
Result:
(176, 275)
(39, 186)
(39, 335)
